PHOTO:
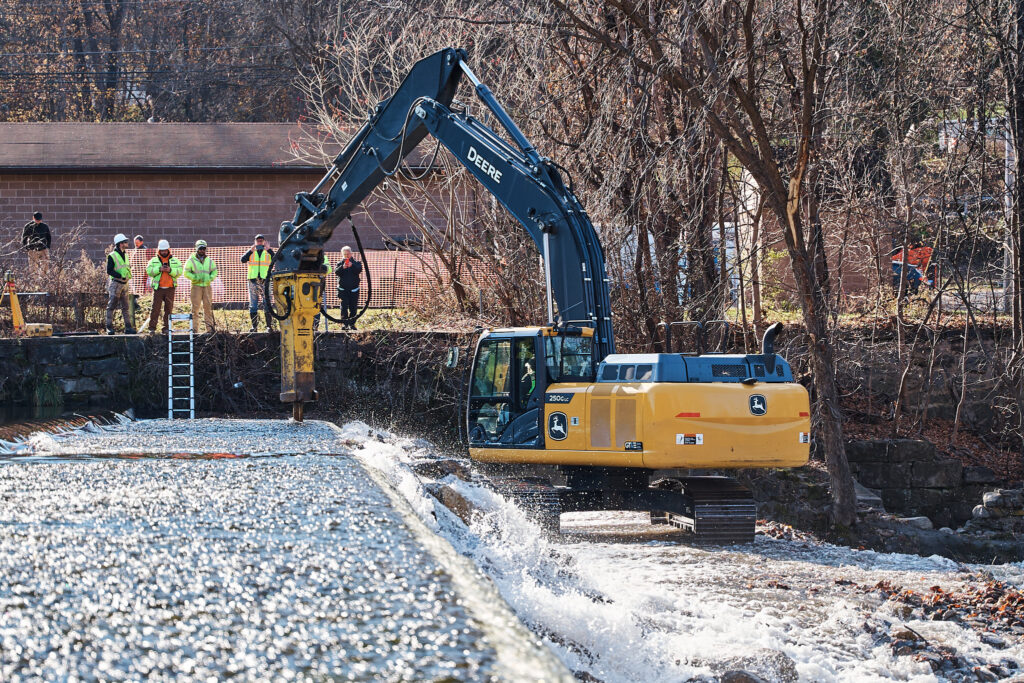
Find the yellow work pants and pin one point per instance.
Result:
(202, 298)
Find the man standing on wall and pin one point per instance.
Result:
(258, 258)
(348, 270)
(35, 239)
(163, 271)
(117, 289)
(201, 271)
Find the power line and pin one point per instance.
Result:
(143, 72)
(144, 51)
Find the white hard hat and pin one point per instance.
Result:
(120, 237)
(162, 244)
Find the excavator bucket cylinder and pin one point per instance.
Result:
(297, 382)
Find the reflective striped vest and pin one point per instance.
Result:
(259, 264)
(200, 273)
(121, 266)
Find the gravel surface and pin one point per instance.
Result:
(210, 567)
(205, 436)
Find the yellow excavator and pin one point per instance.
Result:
(553, 412)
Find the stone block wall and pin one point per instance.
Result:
(87, 371)
(372, 375)
(913, 480)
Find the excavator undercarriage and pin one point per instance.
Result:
(715, 510)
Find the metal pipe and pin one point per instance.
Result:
(547, 274)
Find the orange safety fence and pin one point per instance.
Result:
(400, 278)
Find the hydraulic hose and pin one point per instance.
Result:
(369, 285)
(266, 283)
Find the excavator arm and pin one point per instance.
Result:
(529, 186)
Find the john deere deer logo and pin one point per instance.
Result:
(557, 426)
(758, 404)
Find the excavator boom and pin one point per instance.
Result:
(527, 184)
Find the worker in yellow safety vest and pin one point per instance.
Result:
(201, 271)
(258, 258)
(117, 289)
(163, 270)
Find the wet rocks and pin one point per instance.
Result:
(1001, 512)
(918, 522)
(760, 665)
(441, 468)
(87, 371)
(453, 500)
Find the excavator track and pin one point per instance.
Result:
(718, 510)
(538, 498)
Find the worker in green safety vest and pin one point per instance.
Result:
(117, 289)
(163, 270)
(201, 271)
(258, 258)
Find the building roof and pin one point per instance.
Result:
(161, 147)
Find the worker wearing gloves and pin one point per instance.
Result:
(348, 270)
(163, 271)
(117, 288)
(201, 271)
(258, 258)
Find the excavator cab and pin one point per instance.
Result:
(512, 368)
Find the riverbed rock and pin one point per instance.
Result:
(737, 676)
(993, 499)
(439, 469)
(761, 664)
(918, 522)
(453, 500)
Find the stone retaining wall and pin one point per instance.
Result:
(86, 371)
(383, 374)
(912, 480)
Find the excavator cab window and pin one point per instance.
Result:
(569, 358)
(506, 396)
(489, 409)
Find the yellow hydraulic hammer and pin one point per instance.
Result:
(303, 290)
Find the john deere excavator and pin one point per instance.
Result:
(552, 411)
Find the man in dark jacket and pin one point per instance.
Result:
(348, 270)
(35, 239)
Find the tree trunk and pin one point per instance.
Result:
(827, 412)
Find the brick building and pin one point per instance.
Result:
(222, 182)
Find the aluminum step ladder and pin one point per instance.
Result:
(181, 384)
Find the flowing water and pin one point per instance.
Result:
(320, 554)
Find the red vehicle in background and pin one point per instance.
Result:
(919, 268)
